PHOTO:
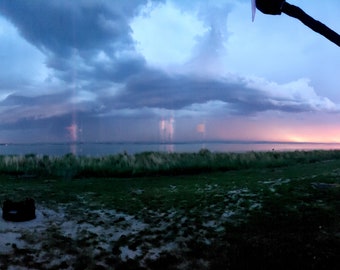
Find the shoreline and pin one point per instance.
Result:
(98, 149)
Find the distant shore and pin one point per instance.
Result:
(97, 149)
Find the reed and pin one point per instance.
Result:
(154, 163)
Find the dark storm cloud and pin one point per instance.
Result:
(71, 34)
(88, 46)
(60, 26)
(161, 90)
(15, 100)
(15, 107)
(118, 70)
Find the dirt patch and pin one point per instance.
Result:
(73, 238)
(55, 237)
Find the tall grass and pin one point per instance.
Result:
(153, 163)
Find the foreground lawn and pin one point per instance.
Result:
(258, 217)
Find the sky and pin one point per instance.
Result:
(166, 71)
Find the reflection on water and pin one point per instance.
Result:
(169, 148)
(102, 149)
(73, 149)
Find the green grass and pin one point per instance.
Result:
(153, 163)
(243, 211)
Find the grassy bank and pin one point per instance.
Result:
(248, 211)
(151, 163)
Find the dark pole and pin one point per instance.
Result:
(275, 7)
(315, 25)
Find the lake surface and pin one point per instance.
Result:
(102, 149)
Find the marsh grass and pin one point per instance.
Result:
(153, 163)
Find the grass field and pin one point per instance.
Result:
(175, 211)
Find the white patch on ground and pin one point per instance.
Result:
(227, 214)
(210, 224)
(154, 253)
(127, 253)
(255, 205)
(96, 232)
(173, 188)
(276, 182)
(8, 239)
(103, 228)
(137, 191)
(272, 184)
(42, 215)
(15, 267)
(108, 227)
(11, 232)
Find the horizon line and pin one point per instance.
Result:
(171, 142)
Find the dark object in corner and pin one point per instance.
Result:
(276, 7)
(272, 7)
(18, 211)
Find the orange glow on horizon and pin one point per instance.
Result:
(315, 134)
(278, 130)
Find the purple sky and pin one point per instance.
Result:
(166, 70)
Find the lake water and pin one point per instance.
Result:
(102, 149)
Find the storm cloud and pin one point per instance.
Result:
(91, 69)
